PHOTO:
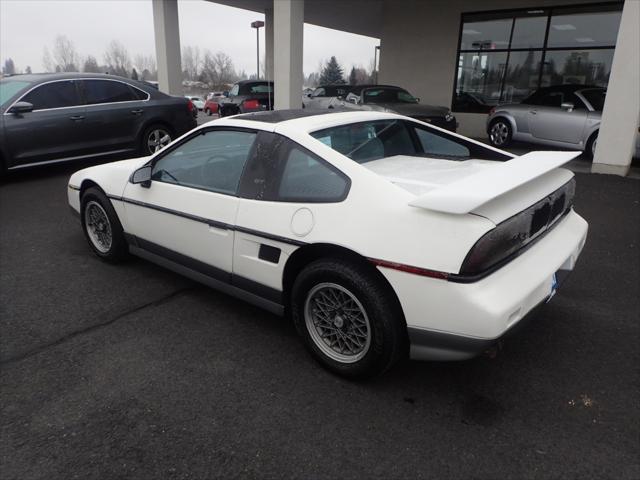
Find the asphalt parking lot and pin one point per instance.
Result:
(131, 371)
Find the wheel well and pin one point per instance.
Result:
(86, 184)
(155, 122)
(503, 118)
(310, 253)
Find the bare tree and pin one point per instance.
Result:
(91, 65)
(64, 54)
(218, 69)
(117, 59)
(146, 65)
(47, 61)
(191, 61)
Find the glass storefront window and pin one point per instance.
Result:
(583, 67)
(487, 35)
(584, 30)
(522, 75)
(506, 56)
(528, 32)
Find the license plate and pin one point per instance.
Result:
(554, 287)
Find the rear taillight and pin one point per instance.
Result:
(519, 231)
(251, 104)
(190, 105)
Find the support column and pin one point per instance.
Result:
(167, 35)
(288, 16)
(621, 114)
(268, 41)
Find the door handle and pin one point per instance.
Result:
(77, 118)
(533, 112)
(137, 112)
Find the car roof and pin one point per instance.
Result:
(47, 77)
(301, 119)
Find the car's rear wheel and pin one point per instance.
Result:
(347, 318)
(500, 133)
(102, 227)
(590, 148)
(207, 111)
(155, 138)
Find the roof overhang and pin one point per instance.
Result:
(363, 17)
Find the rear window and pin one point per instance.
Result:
(368, 141)
(9, 88)
(252, 88)
(107, 91)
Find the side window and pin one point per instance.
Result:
(551, 99)
(318, 92)
(211, 161)
(107, 91)
(438, 146)
(53, 95)
(307, 179)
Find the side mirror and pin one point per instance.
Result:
(568, 106)
(21, 107)
(417, 99)
(142, 176)
(353, 100)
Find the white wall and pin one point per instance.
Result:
(419, 45)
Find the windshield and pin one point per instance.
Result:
(8, 88)
(387, 95)
(595, 96)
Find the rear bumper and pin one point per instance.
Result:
(455, 321)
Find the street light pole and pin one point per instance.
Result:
(375, 61)
(257, 25)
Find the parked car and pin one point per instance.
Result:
(197, 101)
(386, 98)
(381, 236)
(560, 116)
(324, 95)
(47, 118)
(247, 96)
(211, 106)
(214, 95)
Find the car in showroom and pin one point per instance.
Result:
(247, 96)
(198, 102)
(387, 98)
(381, 236)
(49, 118)
(564, 116)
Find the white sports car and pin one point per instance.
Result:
(380, 235)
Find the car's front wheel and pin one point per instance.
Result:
(155, 138)
(348, 319)
(102, 227)
(500, 133)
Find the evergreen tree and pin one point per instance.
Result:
(332, 73)
(27, 70)
(134, 74)
(91, 65)
(353, 80)
(9, 67)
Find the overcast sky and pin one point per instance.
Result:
(27, 26)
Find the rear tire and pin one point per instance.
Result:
(500, 133)
(347, 319)
(207, 111)
(154, 138)
(101, 226)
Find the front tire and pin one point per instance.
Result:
(101, 226)
(347, 319)
(500, 133)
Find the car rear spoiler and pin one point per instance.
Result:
(469, 193)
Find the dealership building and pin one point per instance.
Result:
(466, 54)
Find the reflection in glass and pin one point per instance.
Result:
(584, 30)
(479, 80)
(521, 77)
(528, 32)
(486, 35)
(584, 67)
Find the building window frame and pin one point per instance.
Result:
(513, 14)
